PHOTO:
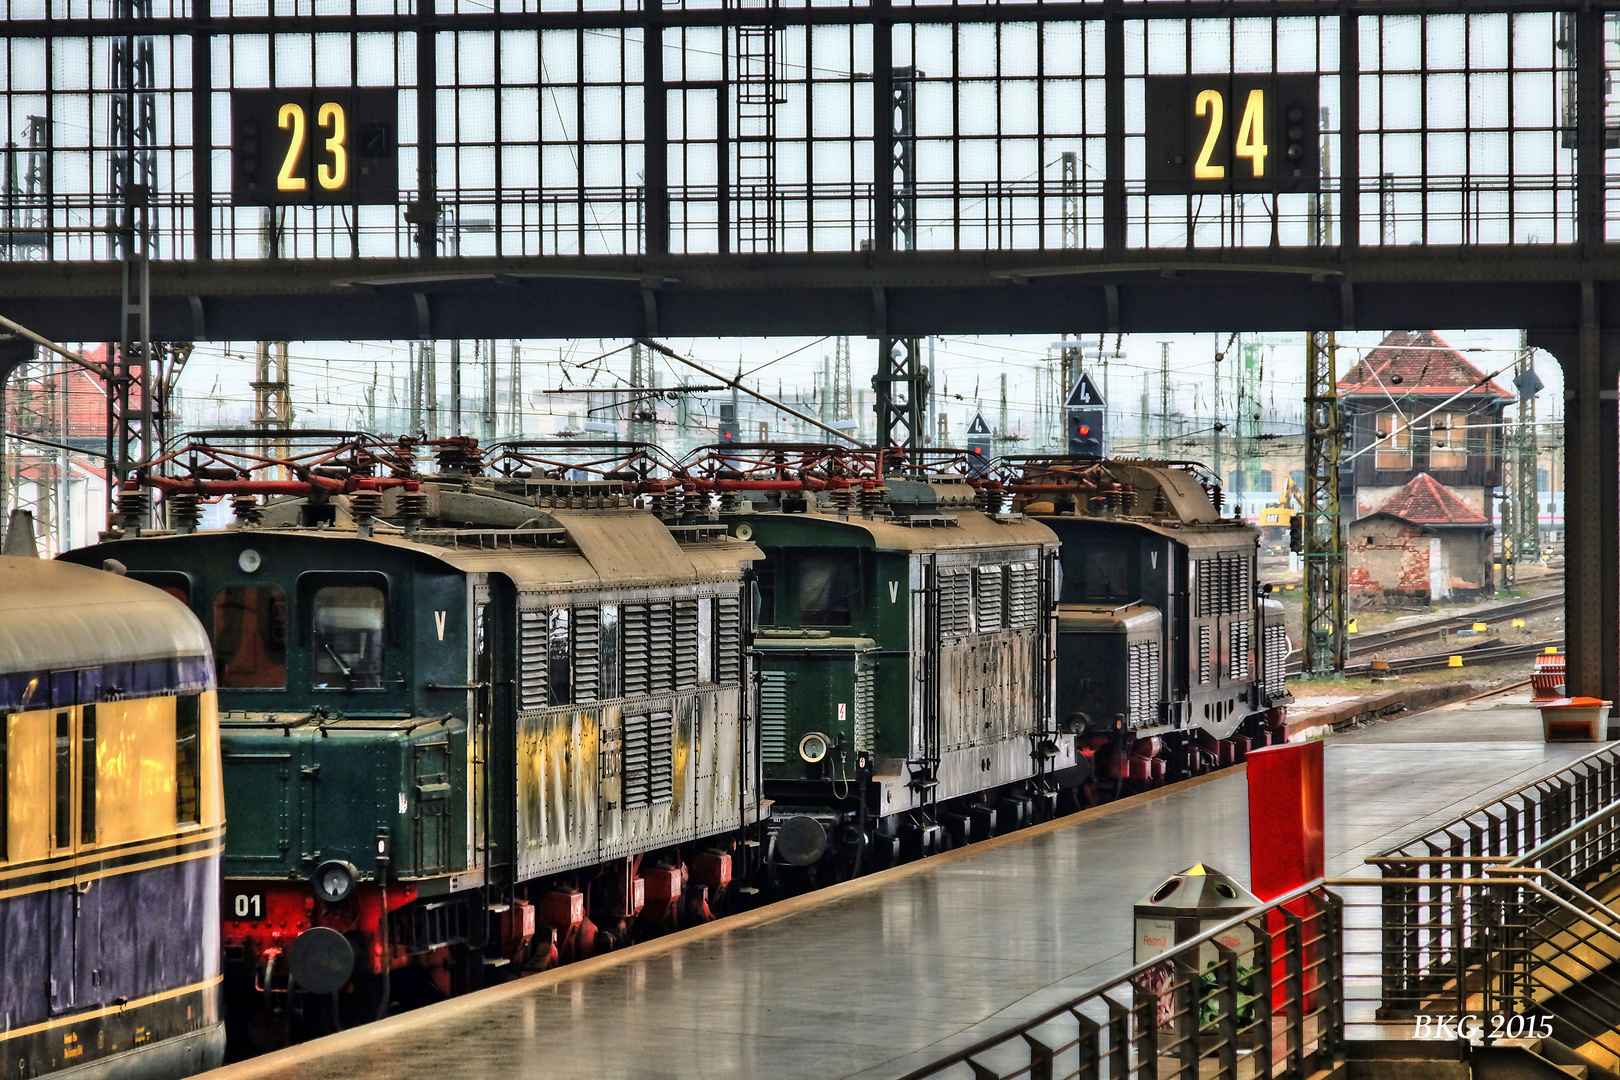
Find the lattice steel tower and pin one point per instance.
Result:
(134, 416)
(901, 382)
(1324, 643)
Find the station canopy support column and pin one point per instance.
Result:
(1590, 358)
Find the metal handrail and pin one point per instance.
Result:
(1325, 962)
(1600, 765)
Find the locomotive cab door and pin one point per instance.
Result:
(925, 646)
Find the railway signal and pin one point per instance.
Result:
(1088, 419)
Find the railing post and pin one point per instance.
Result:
(1144, 1019)
(1294, 995)
(1333, 974)
(1226, 1011)
(1040, 1058)
(1262, 983)
(1190, 990)
(1398, 941)
(1088, 1045)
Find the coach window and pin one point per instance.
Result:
(188, 759)
(250, 637)
(826, 581)
(560, 681)
(5, 787)
(63, 833)
(348, 628)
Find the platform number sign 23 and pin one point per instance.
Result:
(1233, 133)
(305, 147)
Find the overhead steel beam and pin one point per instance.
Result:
(932, 297)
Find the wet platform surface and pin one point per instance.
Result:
(879, 976)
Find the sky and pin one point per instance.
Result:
(331, 380)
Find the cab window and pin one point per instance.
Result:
(348, 626)
(250, 637)
(826, 582)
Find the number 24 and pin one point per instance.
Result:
(1251, 137)
(331, 177)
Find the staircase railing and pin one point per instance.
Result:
(1257, 996)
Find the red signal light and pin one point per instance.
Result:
(976, 450)
(1084, 431)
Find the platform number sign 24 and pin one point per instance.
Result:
(314, 146)
(1233, 133)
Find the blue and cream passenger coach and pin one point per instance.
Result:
(111, 829)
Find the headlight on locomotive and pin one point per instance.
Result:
(334, 880)
(813, 747)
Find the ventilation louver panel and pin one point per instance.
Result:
(955, 603)
(531, 660)
(728, 640)
(990, 599)
(661, 757)
(865, 710)
(1237, 666)
(1275, 658)
(636, 731)
(1205, 667)
(660, 627)
(587, 653)
(773, 717)
(686, 644)
(637, 651)
(1023, 596)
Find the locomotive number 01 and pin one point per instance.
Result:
(312, 147)
(1232, 133)
(245, 906)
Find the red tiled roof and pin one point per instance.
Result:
(1426, 501)
(1423, 363)
(86, 400)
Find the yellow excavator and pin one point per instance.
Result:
(1275, 521)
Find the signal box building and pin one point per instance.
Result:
(1460, 444)
(1425, 545)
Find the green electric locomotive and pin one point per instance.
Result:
(1170, 658)
(468, 724)
(905, 639)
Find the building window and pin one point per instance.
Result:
(250, 637)
(346, 636)
(1394, 442)
(1448, 441)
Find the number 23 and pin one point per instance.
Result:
(331, 177)
(1251, 136)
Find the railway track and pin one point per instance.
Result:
(1362, 644)
(1478, 654)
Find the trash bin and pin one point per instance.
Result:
(1179, 909)
(1186, 905)
(1581, 719)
